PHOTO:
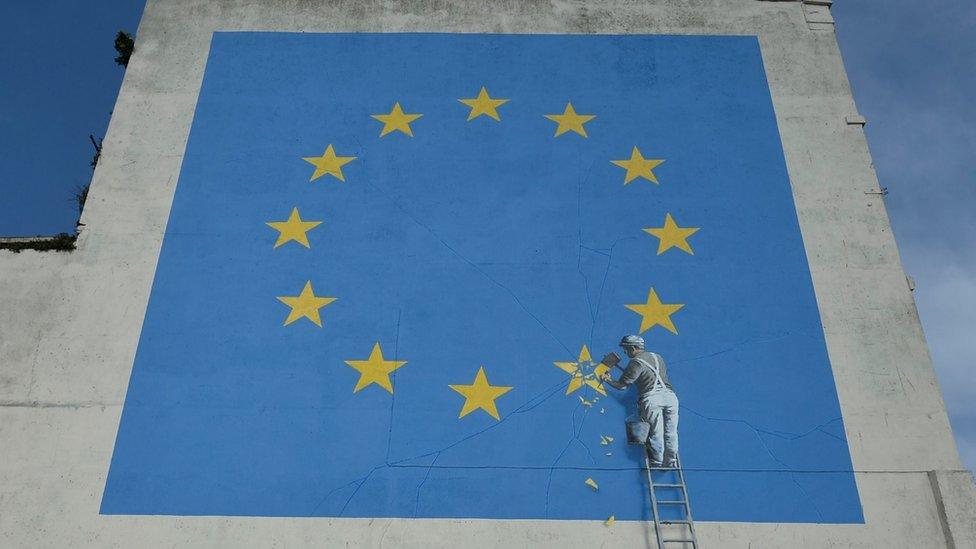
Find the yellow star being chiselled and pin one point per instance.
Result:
(584, 372)
(672, 236)
(328, 164)
(293, 229)
(375, 369)
(480, 395)
(396, 120)
(654, 313)
(305, 305)
(570, 121)
(638, 166)
(483, 105)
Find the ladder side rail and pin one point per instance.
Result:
(650, 486)
(684, 493)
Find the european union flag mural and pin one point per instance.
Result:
(394, 262)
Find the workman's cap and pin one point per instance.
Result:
(632, 341)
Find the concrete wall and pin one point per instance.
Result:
(70, 322)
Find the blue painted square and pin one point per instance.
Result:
(473, 244)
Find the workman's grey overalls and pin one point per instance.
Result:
(659, 408)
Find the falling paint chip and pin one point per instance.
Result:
(585, 402)
(592, 484)
(609, 453)
(603, 410)
(605, 440)
(610, 521)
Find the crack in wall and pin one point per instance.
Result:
(531, 404)
(416, 503)
(735, 346)
(603, 284)
(523, 408)
(641, 468)
(759, 436)
(780, 434)
(527, 406)
(594, 313)
(359, 485)
(576, 430)
(579, 239)
(396, 356)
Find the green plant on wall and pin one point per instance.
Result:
(124, 44)
(63, 242)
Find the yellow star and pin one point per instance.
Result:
(654, 313)
(328, 163)
(672, 236)
(579, 378)
(570, 121)
(638, 166)
(375, 370)
(480, 395)
(293, 229)
(396, 120)
(595, 380)
(306, 305)
(483, 104)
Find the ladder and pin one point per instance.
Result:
(671, 509)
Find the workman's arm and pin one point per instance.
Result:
(629, 376)
(615, 384)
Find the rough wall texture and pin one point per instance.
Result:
(70, 323)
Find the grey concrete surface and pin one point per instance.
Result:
(70, 322)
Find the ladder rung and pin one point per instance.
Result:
(678, 484)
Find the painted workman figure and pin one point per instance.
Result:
(657, 404)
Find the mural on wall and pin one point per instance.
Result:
(432, 275)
